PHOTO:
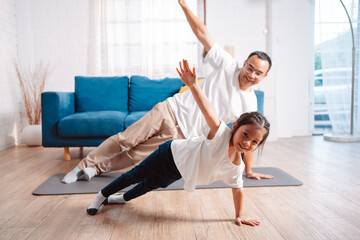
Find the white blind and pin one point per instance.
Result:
(142, 37)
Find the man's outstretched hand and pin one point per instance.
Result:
(181, 2)
(258, 176)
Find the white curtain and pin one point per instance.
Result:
(334, 43)
(141, 37)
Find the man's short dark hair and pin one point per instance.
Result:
(262, 56)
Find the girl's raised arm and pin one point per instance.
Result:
(189, 78)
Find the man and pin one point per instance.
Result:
(228, 87)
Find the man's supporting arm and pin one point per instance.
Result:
(248, 157)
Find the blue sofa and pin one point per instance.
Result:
(101, 107)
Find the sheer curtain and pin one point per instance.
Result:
(141, 37)
(334, 43)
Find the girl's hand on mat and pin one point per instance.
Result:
(258, 176)
(245, 220)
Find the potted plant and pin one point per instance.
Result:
(32, 83)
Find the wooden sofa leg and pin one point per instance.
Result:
(67, 154)
(81, 152)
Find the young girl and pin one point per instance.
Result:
(199, 161)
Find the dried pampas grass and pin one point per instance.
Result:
(32, 84)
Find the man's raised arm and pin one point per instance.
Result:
(198, 27)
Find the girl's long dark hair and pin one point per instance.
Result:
(255, 118)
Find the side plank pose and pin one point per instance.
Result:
(178, 117)
(198, 160)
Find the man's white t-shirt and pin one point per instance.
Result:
(202, 161)
(223, 90)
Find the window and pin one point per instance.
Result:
(147, 37)
(333, 65)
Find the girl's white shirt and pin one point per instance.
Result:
(223, 90)
(201, 161)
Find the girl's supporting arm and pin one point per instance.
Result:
(238, 196)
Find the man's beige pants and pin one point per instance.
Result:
(138, 141)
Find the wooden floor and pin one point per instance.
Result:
(327, 206)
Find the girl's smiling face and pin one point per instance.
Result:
(247, 137)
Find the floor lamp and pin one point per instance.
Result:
(347, 137)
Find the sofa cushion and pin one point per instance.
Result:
(101, 93)
(133, 117)
(92, 124)
(260, 101)
(145, 93)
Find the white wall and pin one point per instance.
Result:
(52, 31)
(57, 32)
(59, 37)
(292, 45)
(10, 99)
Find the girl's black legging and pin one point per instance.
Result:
(157, 170)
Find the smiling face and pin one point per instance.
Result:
(247, 137)
(254, 70)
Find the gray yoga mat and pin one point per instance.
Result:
(54, 186)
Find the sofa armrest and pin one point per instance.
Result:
(54, 106)
(260, 101)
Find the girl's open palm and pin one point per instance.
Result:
(244, 220)
(187, 76)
